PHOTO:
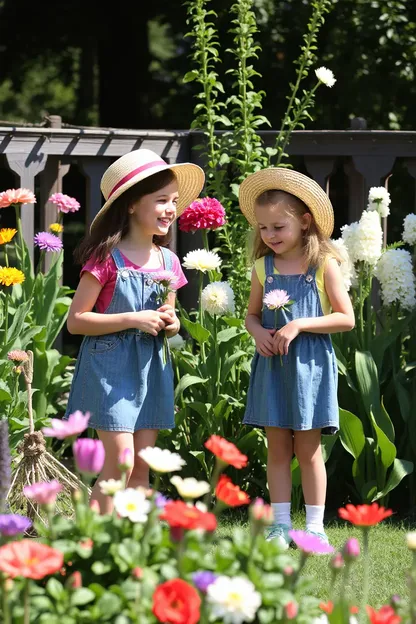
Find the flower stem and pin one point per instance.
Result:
(5, 603)
(6, 319)
(6, 256)
(26, 602)
(366, 533)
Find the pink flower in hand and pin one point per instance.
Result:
(16, 196)
(44, 492)
(166, 278)
(64, 203)
(61, 429)
(276, 299)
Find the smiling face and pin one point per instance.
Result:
(154, 213)
(282, 220)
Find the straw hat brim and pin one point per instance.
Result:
(299, 185)
(190, 178)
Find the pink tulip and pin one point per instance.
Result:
(291, 609)
(61, 429)
(351, 549)
(126, 460)
(89, 455)
(337, 561)
(43, 493)
(260, 512)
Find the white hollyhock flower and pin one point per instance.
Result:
(218, 298)
(409, 229)
(411, 540)
(110, 487)
(233, 600)
(364, 239)
(202, 260)
(176, 342)
(379, 200)
(132, 504)
(347, 267)
(161, 460)
(394, 271)
(190, 487)
(326, 76)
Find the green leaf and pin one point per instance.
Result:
(196, 330)
(368, 383)
(200, 456)
(55, 589)
(185, 382)
(386, 451)
(98, 567)
(190, 76)
(82, 596)
(401, 468)
(5, 394)
(227, 334)
(229, 363)
(351, 433)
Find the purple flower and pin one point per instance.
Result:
(12, 524)
(48, 242)
(89, 455)
(203, 579)
(65, 203)
(309, 543)
(351, 549)
(160, 500)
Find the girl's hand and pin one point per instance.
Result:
(283, 337)
(172, 325)
(264, 341)
(150, 321)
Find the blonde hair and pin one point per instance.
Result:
(316, 246)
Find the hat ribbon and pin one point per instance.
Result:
(135, 172)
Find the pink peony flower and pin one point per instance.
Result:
(276, 299)
(89, 455)
(61, 429)
(16, 196)
(203, 214)
(309, 543)
(65, 203)
(44, 492)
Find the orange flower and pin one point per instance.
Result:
(29, 559)
(364, 515)
(385, 615)
(180, 515)
(354, 610)
(230, 494)
(16, 196)
(327, 606)
(9, 276)
(226, 451)
(6, 235)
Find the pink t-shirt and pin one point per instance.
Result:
(106, 273)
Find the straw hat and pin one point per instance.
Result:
(282, 179)
(140, 164)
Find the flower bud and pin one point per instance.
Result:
(337, 561)
(137, 573)
(95, 506)
(74, 581)
(261, 513)
(351, 549)
(126, 460)
(291, 609)
(89, 455)
(288, 571)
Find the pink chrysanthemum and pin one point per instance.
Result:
(17, 356)
(44, 492)
(61, 429)
(310, 544)
(48, 242)
(276, 299)
(16, 196)
(203, 214)
(166, 278)
(65, 203)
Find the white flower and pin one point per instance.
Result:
(110, 487)
(325, 76)
(161, 460)
(190, 487)
(132, 504)
(409, 229)
(394, 271)
(233, 600)
(201, 506)
(218, 298)
(364, 239)
(411, 540)
(347, 267)
(379, 200)
(176, 342)
(202, 260)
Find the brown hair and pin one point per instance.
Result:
(316, 246)
(114, 226)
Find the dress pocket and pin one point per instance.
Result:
(103, 344)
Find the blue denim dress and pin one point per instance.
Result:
(299, 391)
(121, 378)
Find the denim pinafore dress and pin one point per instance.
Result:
(121, 378)
(298, 392)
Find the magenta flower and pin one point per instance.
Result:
(65, 203)
(310, 544)
(13, 524)
(126, 459)
(16, 196)
(203, 214)
(61, 429)
(276, 299)
(351, 549)
(48, 242)
(89, 455)
(43, 493)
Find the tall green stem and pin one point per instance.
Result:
(369, 315)
(5, 603)
(26, 602)
(21, 253)
(366, 563)
(6, 319)
(201, 313)
(6, 256)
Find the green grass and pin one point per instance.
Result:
(390, 560)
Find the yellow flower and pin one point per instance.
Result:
(56, 227)
(6, 235)
(9, 276)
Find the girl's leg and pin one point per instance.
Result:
(279, 477)
(312, 466)
(140, 472)
(114, 443)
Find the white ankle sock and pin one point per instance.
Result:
(281, 513)
(315, 518)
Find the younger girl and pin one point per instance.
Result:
(122, 377)
(293, 384)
